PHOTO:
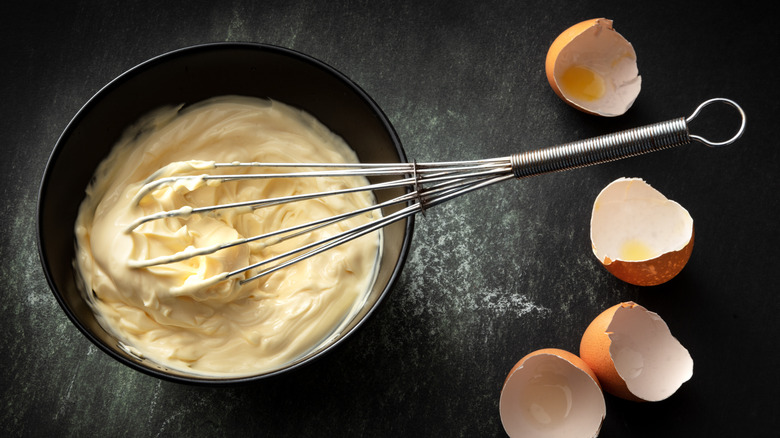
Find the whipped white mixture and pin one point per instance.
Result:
(175, 314)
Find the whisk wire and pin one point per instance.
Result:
(325, 244)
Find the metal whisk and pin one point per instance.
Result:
(428, 184)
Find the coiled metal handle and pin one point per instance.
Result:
(618, 145)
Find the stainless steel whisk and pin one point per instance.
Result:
(428, 184)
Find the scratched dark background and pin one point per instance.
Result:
(491, 276)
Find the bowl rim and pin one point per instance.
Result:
(139, 69)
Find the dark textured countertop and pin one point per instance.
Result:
(491, 276)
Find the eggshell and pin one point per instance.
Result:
(634, 355)
(552, 393)
(630, 213)
(595, 46)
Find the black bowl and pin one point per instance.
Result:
(188, 76)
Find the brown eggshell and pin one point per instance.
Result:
(652, 363)
(546, 379)
(629, 209)
(595, 46)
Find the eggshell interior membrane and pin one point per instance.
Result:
(593, 46)
(634, 354)
(638, 234)
(552, 393)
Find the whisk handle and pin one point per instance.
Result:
(615, 146)
(602, 149)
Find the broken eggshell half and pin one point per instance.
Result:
(634, 355)
(639, 235)
(593, 68)
(552, 393)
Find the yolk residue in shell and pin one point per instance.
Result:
(582, 83)
(634, 250)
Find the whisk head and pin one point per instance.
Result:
(425, 184)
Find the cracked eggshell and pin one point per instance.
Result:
(634, 355)
(552, 393)
(639, 235)
(594, 69)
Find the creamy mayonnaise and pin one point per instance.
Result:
(175, 314)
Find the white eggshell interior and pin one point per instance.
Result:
(629, 209)
(647, 357)
(605, 52)
(550, 397)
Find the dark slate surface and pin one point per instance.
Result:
(491, 276)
